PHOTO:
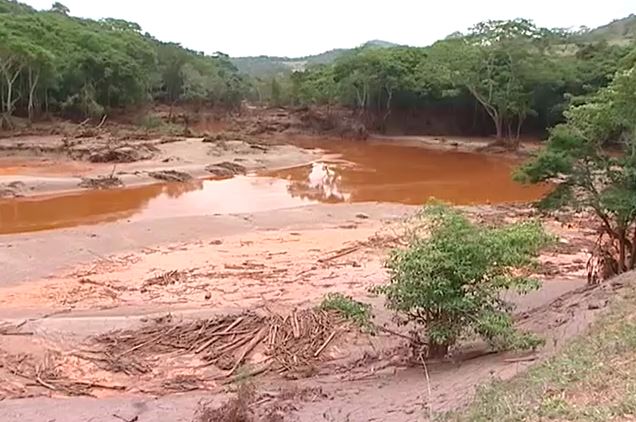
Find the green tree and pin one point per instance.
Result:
(450, 282)
(58, 7)
(592, 177)
(80, 67)
(13, 53)
(499, 63)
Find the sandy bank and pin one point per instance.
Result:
(43, 165)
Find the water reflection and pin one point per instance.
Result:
(318, 182)
(368, 172)
(88, 207)
(355, 172)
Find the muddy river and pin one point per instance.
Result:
(348, 172)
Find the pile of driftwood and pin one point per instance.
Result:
(237, 346)
(293, 343)
(47, 372)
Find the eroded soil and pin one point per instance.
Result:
(54, 164)
(141, 317)
(267, 265)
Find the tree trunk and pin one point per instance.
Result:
(437, 350)
(46, 101)
(520, 121)
(498, 126)
(388, 109)
(170, 112)
(492, 112)
(632, 257)
(513, 137)
(10, 79)
(621, 251)
(359, 98)
(9, 106)
(33, 83)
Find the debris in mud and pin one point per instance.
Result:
(183, 383)
(135, 135)
(278, 121)
(47, 373)
(8, 329)
(171, 139)
(170, 175)
(12, 190)
(237, 409)
(122, 154)
(339, 122)
(87, 133)
(259, 147)
(165, 279)
(101, 182)
(230, 136)
(225, 169)
(250, 404)
(291, 344)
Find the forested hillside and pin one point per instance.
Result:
(499, 77)
(262, 67)
(620, 31)
(53, 62)
(513, 73)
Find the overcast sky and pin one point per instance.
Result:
(296, 27)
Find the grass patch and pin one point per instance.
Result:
(358, 312)
(592, 379)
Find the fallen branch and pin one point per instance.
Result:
(99, 126)
(134, 418)
(413, 340)
(152, 340)
(429, 404)
(45, 384)
(255, 340)
(333, 334)
(340, 254)
(216, 335)
(522, 359)
(250, 374)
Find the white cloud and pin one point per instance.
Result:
(294, 28)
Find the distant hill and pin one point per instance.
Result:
(619, 31)
(268, 66)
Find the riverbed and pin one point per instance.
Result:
(342, 172)
(308, 218)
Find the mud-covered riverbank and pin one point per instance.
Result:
(122, 275)
(105, 234)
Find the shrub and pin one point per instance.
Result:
(358, 312)
(450, 282)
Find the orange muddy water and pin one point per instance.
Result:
(350, 172)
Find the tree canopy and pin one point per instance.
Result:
(50, 61)
(592, 157)
(500, 77)
(510, 72)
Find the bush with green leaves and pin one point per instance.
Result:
(358, 312)
(592, 158)
(451, 281)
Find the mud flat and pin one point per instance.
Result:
(127, 302)
(340, 171)
(213, 268)
(54, 164)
